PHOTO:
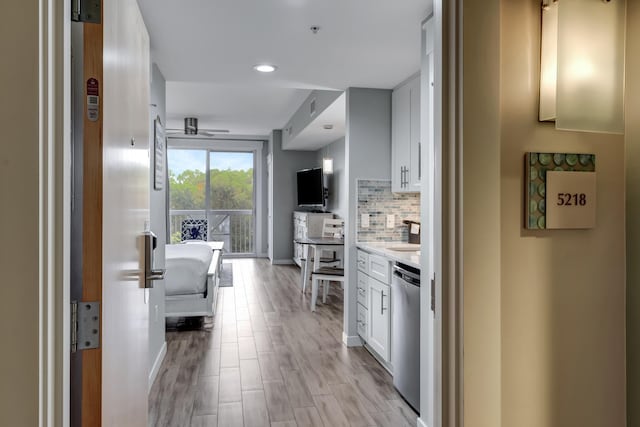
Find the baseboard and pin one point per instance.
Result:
(156, 365)
(421, 423)
(282, 262)
(379, 359)
(351, 341)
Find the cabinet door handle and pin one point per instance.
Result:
(419, 160)
(382, 307)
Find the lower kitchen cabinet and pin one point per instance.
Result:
(374, 304)
(379, 319)
(363, 318)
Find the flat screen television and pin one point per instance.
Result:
(310, 188)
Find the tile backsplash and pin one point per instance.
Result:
(376, 199)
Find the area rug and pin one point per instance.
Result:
(226, 275)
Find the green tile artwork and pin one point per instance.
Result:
(536, 167)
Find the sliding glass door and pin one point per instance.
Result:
(216, 186)
(231, 204)
(187, 184)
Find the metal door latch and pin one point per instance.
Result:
(433, 294)
(86, 11)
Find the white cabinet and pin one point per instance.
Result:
(306, 224)
(374, 303)
(405, 138)
(362, 319)
(378, 268)
(363, 290)
(379, 322)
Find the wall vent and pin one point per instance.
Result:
(312, 107)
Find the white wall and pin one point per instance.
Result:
(158, 225)
(367, 155)
(338, 199)
(302, 117)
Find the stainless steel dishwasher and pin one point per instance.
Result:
(405, 332)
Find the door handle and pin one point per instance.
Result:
(150, 274)
(157, 274)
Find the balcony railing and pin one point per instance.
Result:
(236, 227)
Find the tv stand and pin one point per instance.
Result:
(311, 210)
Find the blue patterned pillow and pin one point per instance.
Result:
(194, 229)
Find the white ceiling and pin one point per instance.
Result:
(315, 136)
(206, 50)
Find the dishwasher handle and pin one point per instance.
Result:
(406, 275)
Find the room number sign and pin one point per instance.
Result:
(560, 191)
(571, 199)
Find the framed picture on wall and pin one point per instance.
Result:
(159, 148)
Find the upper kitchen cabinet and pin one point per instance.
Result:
(405, 138)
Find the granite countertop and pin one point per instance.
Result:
(411, 258)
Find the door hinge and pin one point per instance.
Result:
(433, 294)
(86, 11)
(85, 325)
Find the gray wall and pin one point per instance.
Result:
(367, 156)
(283, 198)
(158, 224)
(337, 183)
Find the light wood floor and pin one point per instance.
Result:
(266, 360)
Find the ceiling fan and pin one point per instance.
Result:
(191, 129)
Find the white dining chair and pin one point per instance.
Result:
(331, 228)
(326, 275)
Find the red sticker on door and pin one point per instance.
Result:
(93, 99)
(93, 87)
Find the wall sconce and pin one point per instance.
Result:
(582, 64)
(327, 165)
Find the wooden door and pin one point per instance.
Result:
(379, 320)
(115, 213)
(126, 214)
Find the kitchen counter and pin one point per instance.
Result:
(411, 258)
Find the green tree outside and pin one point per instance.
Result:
(229, 190)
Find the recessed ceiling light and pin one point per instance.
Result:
(265, 68)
